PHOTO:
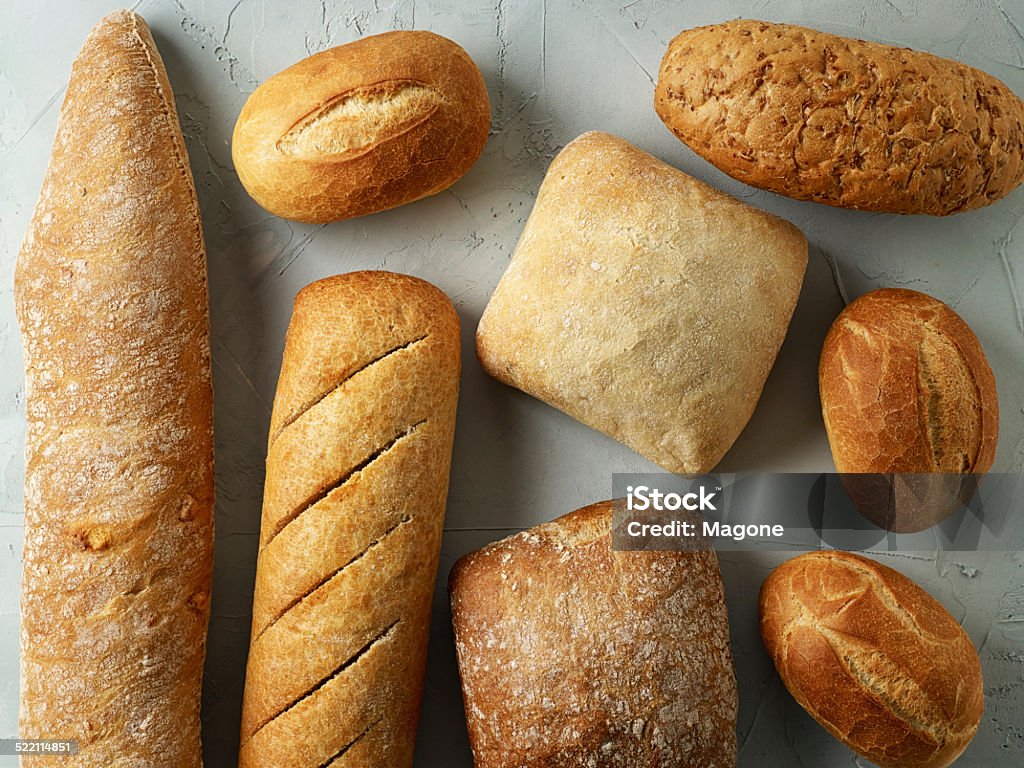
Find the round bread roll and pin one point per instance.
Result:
(363, 127)
(873, 658)
(840, 121)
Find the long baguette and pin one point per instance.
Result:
(112, 304)
(357, 476)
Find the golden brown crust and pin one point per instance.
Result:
(571, 654)
(362, 127)
(357, 475)
(840, 121)
(644, 303)
(873, 658)
(111, 300)
(905, 387)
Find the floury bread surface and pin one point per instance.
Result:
(573, 655)
(357, 476)
(362, 127)
(644, 303)
(111, 300)
(840, 121)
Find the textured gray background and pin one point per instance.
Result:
(554, 69)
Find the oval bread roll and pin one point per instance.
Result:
(843, 122)
(362, 127)
(905, 387)
(357, 476)
(873, 658)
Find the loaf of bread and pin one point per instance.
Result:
(873, 658)
(357, 476)
(905, 388)
(843, 122)
(111, 299)
(363, 127)
(644, 303)
(576, 656)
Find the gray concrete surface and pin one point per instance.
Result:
(554, 69)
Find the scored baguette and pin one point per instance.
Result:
(111, 300)
(357, 476)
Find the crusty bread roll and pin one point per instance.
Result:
(644, 303)
(873, 658)
(906, 390)
(905, 387)
(363, 127)
(357, 475)
(576, 656)
(111, 300)
(839, 121)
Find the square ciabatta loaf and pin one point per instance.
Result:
(644, 303)
(573, 655)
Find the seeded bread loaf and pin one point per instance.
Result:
(873, 658)
(839, 121)
(577, 656)
(110, 292)
(357, 475)
(362, 127)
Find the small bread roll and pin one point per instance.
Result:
(842, 122)
(873, 658)
(905, 388)
(363, 127)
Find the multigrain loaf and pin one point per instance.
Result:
(873, 658)
(357, 476)
(574, 655)
(644, 303)
(110, 291)
(839, 121)
(362, 127)
(905, 387)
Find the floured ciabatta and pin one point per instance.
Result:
(577, 656)
(644, 303)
